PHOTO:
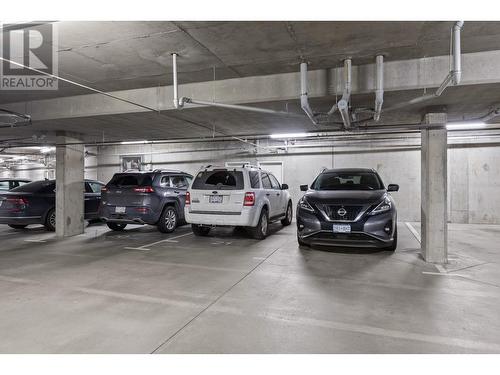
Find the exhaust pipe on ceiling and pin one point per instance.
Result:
(379, 89)
(238, 107)
(177, 104)
(457, 53)
(343, 104)
(346, 95)
(343, 107)
(453, 77)
(304, 100)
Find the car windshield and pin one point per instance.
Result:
(347, 181)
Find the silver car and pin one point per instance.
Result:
(245, 196)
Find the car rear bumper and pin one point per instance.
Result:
(248, 217)
(20, 220)
(131, 216)
(369, 232)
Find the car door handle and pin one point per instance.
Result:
(278, 194)
(176, 191)
(267, 194)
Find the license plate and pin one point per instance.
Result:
(215, 199)
(120, 210)
(341, 228)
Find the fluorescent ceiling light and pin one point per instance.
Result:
(133, 142)
(466, 126)
(46, 150)
(291, 135)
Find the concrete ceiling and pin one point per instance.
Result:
(127, 55)
(123, 55)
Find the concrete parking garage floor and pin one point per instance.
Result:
(140, 291)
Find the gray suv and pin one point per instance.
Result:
(154, 197)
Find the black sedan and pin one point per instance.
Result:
(348, 208)
(34, 203)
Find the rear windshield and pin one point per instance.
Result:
(131, 179)
(221, 179)
(347, 181)
(43, 186)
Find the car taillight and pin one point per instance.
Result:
(249, 199)
(188, 198)
(17, 204)
(104, 189)
(145, 189)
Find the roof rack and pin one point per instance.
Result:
(167, 171)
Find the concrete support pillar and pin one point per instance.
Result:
(69, 186)
(434, 213)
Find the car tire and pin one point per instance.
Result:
(169, 220)
(200, 230)
(117, 227)
(394, 244)
(17, 226)
(260, 231)
(289, 214)
(50, 220)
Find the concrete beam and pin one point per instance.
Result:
(478, 68)
(434, 189)
(69, 186)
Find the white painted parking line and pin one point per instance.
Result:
(147, 246)
(35, 240)
(414, 232)
(443, 274)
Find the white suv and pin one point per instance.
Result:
(243, 196)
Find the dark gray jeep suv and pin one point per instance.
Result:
(348, 207)
(154, 197)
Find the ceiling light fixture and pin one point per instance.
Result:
(134, 142)
(46, 150)
(465, 126)
(291, 135)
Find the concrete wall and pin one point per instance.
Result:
(474, 176)
(39, 171)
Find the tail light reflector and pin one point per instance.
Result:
(142, 210)
(188, 198)
(104, 189)
(18, 204)
(249, 199)
(145, 189)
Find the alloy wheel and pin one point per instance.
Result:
(52, 219)
(263, 225)
(170, 220)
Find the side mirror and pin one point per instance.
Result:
(393, 187)
(284, 187)
(303, 187)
